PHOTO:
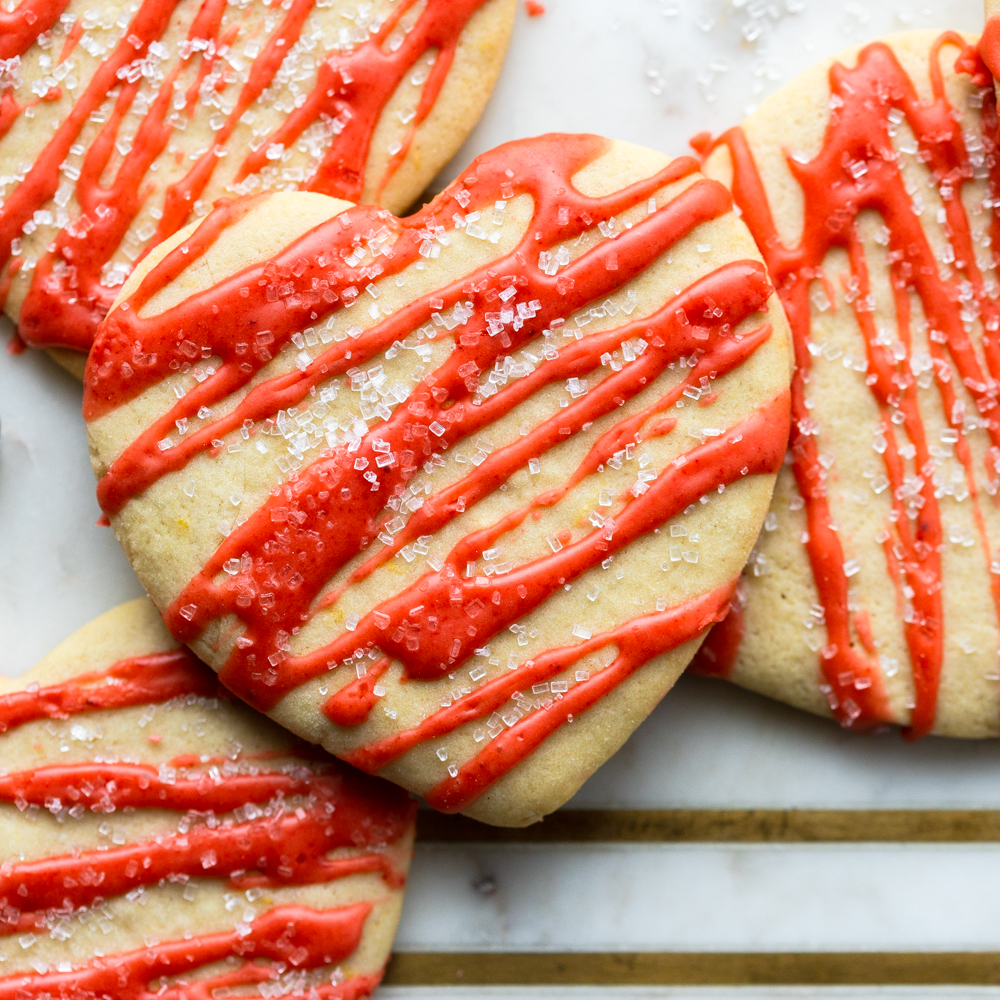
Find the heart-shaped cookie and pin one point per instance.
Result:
(120, 123)
(457, 495)
(161, 839)
(872, 595)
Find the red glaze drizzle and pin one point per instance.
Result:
(270, 849)
(293, 935)
(352, 703)
(859, 133)
(10, 109)
(20, 27)
(717, 655)
(66, 299)
(457, 615)
(100, 786)
(142, 680)
(328, 808)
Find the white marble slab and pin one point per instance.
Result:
(58, 570)
(703, 897)
(657, 72)
(711, 745)
(628, 68)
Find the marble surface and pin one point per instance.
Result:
(703, 897)
(653, 72)
(657, 72)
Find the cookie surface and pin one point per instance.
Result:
(989, 43)
(120, 123)
(161, 839)
(872, 594)
(455, 496)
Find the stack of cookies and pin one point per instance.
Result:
(457, 496)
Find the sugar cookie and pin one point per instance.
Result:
(157, 834)
(455, 496)
(873, 594)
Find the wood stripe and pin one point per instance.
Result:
(694, 969)
(765, 826)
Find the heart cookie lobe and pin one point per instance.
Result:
(160, 838)
(872, 595)
(456, 495)
(133, 120)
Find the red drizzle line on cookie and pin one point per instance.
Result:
(66, 299)
(637, 642)
(288, 848)
(141, 680)
(270, 842)
(717, 655)
(20, 27)
(857, 170)
(295, 936)
(328, 513)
